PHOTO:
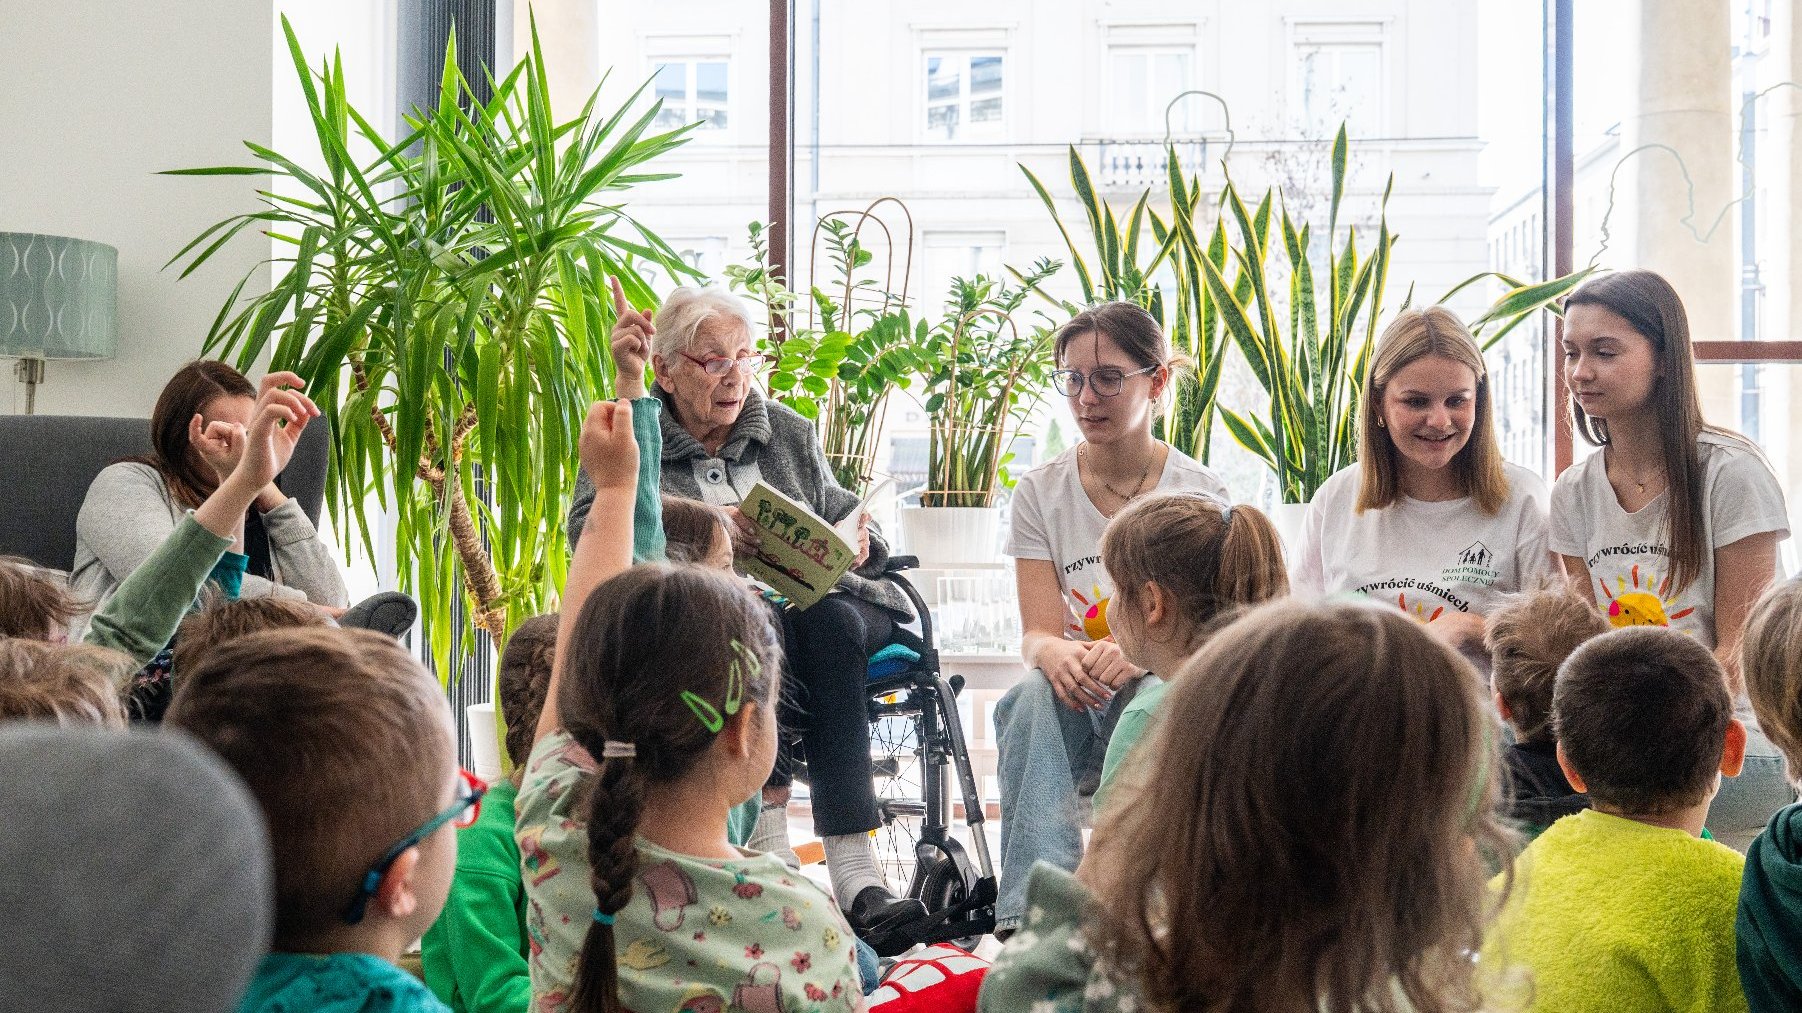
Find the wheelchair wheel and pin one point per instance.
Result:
(900, 797)
(946, 878)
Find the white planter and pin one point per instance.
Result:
(484, 742)
(948, 537)
(1290, 520)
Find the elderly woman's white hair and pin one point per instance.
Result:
(686, 309)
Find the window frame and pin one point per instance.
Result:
(1339, 32)
(691, 51)
(966, 52)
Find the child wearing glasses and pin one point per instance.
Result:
(347, 745)
(660, 718)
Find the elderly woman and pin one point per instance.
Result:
(720, 437)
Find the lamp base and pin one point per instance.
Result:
(31, 373)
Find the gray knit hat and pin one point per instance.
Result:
(134, 873)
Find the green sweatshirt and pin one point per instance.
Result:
(474, 955)
(647, 507)
(141, 616)
(1138, 717)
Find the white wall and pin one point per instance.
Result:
(95, 98)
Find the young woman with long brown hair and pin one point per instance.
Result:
(1674, 522)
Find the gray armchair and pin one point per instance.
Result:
(48, 461)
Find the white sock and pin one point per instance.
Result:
(851, 862)
(770, 835)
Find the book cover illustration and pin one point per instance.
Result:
(800, 555)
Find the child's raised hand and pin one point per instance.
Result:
(609, 452)
(631, 341)
(277, 421)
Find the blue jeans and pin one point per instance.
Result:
(1046, 748)
(1747, 802)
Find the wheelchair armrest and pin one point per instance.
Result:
(896, 564)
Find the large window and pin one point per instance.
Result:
(693, 89)
(964, 93)
(1337, 75)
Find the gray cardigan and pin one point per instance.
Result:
(770, 442)
(128, 512)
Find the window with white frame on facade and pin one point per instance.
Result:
(964, 95)
(1142, 82)
(1337, 76)
(691, 89)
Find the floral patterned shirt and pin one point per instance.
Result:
(698, 936)
(1048, 965)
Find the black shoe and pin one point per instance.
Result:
(882, 920)
(387, 612)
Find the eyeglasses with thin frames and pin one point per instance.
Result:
(461, 813)
(1105, 382)
(720, 365)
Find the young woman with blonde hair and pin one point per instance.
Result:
(1430, 519)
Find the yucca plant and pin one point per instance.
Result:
(1187, 314)
(985, 372)
(444, 302)
(1314, 367)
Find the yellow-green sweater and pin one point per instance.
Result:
(1608, 914)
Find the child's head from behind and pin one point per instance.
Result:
(35, 604)
(222, 620)
(524, 677)
(1306, 816)
(1771, 659)
(679, 667)
(1179, 561)
(696, 532)
(1527, 640)
(1644, 721)
(69, 684)
(346, 743)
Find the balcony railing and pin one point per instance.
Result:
(1139, 164)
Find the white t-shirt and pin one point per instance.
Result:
(1626, 552)
(1425, 558)
(1053, 519)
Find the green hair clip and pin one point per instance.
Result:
(744, 661)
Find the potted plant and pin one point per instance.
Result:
(443, 301)
(855, 345)
(1311, 354)
(985, 371)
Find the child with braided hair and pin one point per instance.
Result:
(635, 897)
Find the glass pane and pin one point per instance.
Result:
(986, 110)
(710, 94)
(672, 83)
(1129, 97)
(941, 121)
(944, 79)
(1170, 78)
(985, 75)
(1759, 402)
(672, 88)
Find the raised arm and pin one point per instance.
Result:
(142, 615)
(609, 455)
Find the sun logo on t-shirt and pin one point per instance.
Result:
(1091, 615)
(1641, 605)
(1418, 610)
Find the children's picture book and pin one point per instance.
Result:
(800, 555)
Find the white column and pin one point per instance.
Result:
(1679, 94)
(569, 33)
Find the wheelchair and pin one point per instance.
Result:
(919, 752)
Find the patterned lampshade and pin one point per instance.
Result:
(58, 297)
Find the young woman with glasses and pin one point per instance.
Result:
(1114, 364)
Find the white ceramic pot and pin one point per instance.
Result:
(484, 742)
(1290, 520)
(948, 537)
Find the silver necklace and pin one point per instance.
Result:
(1125, 497)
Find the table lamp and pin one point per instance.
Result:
(58, 300)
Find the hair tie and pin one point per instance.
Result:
(603, 918)
(616, 750)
